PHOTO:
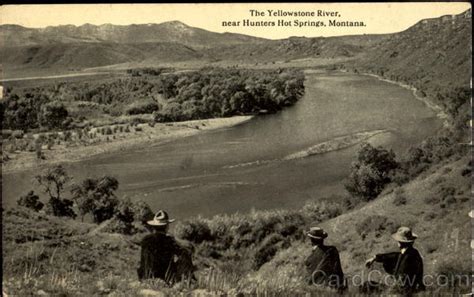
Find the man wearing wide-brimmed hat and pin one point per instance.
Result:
(162, 257)
(323, 265)
(406, 265)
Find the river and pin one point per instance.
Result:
(248, 166)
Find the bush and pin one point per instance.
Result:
(399, 198)
(319, 211)
(142, 212)
(456, 270)
(371, 172)
(195, 231)
(53, 115)
(31, 200)
(60, 207)
(269, 247)
(143, 107)
(376, 224)
(96, 196)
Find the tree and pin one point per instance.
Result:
(82, 195)
(96, 196)
(52, 115)
(371, 172)
(53, 180)
(124, 212)
(142, 211)
(31, 200)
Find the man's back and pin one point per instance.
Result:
(406, 267)
(324, 266)
(157, 258)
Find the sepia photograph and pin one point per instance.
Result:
(236, 149)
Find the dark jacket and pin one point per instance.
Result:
(407, 269)
(162, 257)
(324, 267)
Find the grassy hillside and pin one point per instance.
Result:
(76, 56)
(437, 206)
(255, 253)
(434, 56)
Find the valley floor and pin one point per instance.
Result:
(159, 133)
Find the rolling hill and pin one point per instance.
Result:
(73, 48)
(425, 51)
(175, 31)
(431, 55)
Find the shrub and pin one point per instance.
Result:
(456, 270)
(60, 207)
(319, 211)
(53, 115)
(267, 249)
(377, 225)
(399, 197)
(96, 196)
(108, 131)
(144, 107)
(195, 231)
(142, 212)
(432, 200)
(31, 200)
(371, 172)
(466, 171)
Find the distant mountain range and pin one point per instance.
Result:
(72, 47)
(168, 32)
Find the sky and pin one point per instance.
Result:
(378, 17)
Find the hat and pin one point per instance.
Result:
(161, 219)
(317, 233)
(404, 234)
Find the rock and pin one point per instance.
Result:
(151, 293)
(41, 293)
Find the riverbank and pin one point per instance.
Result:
(440, 113)
(147, 136)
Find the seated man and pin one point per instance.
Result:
(406, 266)
(161, 256)
(324, 265)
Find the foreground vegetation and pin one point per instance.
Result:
(49, 249)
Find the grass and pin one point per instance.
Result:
(260, 253)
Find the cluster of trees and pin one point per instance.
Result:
(207, 93)
(216, 92)
(93, 196)
(32, 110)
(47, 106)
(376, 167)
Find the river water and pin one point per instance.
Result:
(238, 169)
